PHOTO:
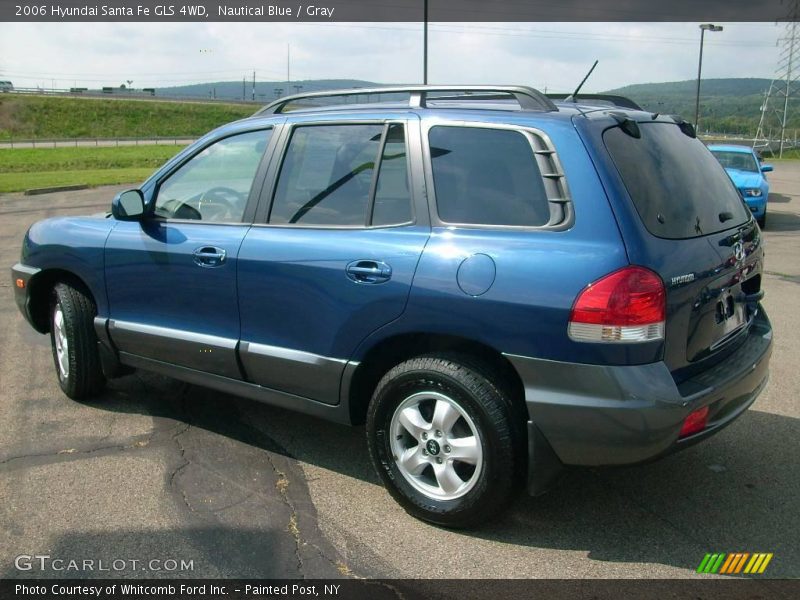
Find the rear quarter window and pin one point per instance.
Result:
(487, 176)
(679, 189)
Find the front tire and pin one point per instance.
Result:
(444, 440)
(762, 220)
(74, 342)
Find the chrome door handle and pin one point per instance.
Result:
(369, 271)
(209, 256)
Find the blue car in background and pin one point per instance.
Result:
(747, 174)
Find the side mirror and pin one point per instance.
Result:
(128, 206)
(766, 168)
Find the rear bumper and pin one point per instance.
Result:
(22, 274)
(598, 415)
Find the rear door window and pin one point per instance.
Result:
(487, 176)
(327, 175)
(344, 176)
(679, 189)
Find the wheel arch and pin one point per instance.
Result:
(40, 289)
(386, 353)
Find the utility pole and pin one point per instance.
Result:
(425, 46)
(288, 54)
(244, 83)
(254, 86)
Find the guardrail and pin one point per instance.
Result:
(765, 146)
(95, 142)
(133, 95)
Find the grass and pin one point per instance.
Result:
(17, 182)
(26, 160)
(790, 154)
(22, 169)
(47, 117)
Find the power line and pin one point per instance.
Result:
(775, 109)
(539, 33)
(143, 81)
(66, 75)
(185, 77)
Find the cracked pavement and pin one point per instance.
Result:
(158, 469)
(176, 482)
(153, 469)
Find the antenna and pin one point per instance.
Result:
(574, 96)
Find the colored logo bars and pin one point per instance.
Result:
(736, 562)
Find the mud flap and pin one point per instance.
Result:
(544, 467)
(109, 359)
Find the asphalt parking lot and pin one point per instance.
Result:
(157, 470)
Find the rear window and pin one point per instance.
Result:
(678, 187)
(487, 176)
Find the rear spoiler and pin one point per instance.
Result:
(597, 100)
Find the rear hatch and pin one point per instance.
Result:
(686, 221)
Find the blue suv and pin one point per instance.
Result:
(498, 285)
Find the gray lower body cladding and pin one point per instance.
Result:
(597, 415)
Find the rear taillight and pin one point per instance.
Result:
(695, 422)
(628, 305)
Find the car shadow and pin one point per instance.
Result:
(782, 221)
(265, 427)
(778, 198)
(732, 493)
(736, 492)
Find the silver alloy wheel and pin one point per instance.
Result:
(60, 339)
(436, 445)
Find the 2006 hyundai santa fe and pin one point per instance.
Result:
(497, 284)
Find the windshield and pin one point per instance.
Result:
(679, 190)
(743, 161)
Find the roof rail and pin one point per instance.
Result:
(527, 97)
(597, 100)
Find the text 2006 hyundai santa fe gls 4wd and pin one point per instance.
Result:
(497, 284)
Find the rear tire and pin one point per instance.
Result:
(74, 342)
(446, 440)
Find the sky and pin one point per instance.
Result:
(545, 55)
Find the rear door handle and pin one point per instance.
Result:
(369, 271)
(209, 256)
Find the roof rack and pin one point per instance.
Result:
(597, 100)
(527, 97)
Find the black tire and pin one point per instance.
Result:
(498, 426)
(762, 220)
(83, 376)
